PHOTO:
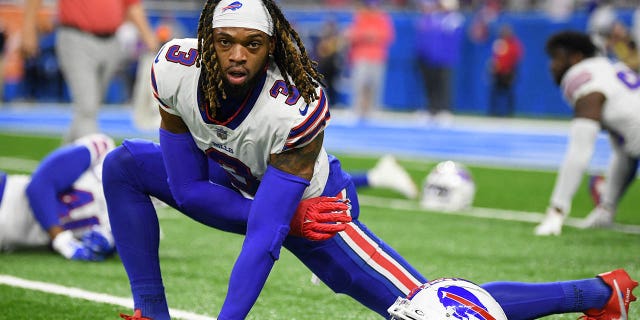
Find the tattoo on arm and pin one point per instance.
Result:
(300, 161)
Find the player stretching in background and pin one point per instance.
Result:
(604, 95)
(229, 96)
(61, 204)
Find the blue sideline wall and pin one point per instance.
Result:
(536, 94)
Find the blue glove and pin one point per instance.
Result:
(99, 240)
(71, 248)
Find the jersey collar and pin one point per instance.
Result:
(241, 107)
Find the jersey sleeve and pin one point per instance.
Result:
(168, 70)
(314, 117)
(585, 78)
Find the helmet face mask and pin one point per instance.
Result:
(448, 187)
(447, 298)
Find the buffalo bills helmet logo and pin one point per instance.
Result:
(233, 6)
(463, 304)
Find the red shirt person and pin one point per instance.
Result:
(506, 55)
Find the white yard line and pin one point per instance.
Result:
(487, 213)
(396, 204)
(90, 296)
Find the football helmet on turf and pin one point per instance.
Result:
(448, 187)
(447, 298)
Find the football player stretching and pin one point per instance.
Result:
(604, 95)
(246, 96)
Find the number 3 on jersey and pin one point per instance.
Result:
(185, 58)
(629, 78)
(239, 174)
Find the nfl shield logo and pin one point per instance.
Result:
(221, 133)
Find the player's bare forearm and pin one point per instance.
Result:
(29, 40)
(138, 16)
(300, 161)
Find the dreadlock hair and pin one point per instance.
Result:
(573, 42)
(289, 55)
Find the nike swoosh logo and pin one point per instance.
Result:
(157, 57)
(623, 311)
(303, 112)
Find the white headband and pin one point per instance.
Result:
(250, 14)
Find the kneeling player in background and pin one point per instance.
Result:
(61, 204)
(604, 95)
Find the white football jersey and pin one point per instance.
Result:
(271, 120)
(621, 88)
(80, 208)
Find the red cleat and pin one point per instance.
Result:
(137, 315)
(617, 306)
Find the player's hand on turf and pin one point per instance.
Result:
(99, 240)
(73, 249)
(320, 218)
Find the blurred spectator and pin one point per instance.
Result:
(369, 38)
(621, 46)
(328, 52)
(131, 49)
(43, 80)
(3, 40)
(506, 55)
(439, 37)
(87, 50)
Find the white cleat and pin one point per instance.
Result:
(388, 173)
(551, 225)
(598, 218)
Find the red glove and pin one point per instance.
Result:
(320, 218)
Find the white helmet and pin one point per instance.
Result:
(447, 298)
(448, 187)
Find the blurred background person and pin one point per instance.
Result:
(87, 50)
(329, 54)
(506, 53)
(622, 47)
(369, 37)
(439, 35)
(42, 77)
(603, 94)
(3, 41)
